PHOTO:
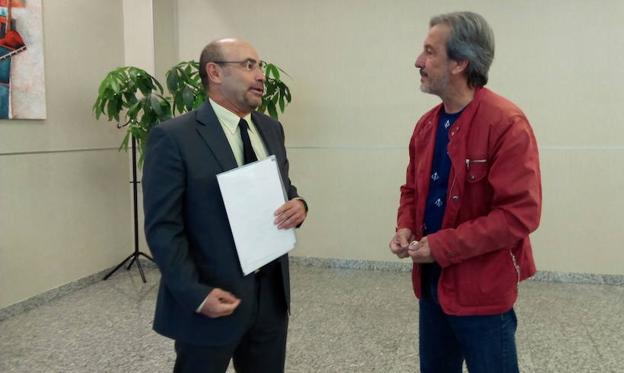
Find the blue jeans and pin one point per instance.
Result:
(487, 343)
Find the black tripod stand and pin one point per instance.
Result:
(134, 257)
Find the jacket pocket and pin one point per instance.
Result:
(486, 280)
(476, 169)
(477, 189)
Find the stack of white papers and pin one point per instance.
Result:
(251, 194)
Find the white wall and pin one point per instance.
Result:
(63, 185)
(356, 99)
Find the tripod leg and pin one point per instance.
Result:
(138, 262)
(134, 257)
(118, 266)
(147, 256)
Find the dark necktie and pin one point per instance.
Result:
(248, 153)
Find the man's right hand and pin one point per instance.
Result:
(219, 303)
(400, 242)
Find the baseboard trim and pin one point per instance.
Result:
(371, 265)
(368, 265)
(46, 297)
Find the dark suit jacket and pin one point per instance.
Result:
(187, 228)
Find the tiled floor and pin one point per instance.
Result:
(342, 321)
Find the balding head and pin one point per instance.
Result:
(211, 52)
(232, 74)
(219, 50)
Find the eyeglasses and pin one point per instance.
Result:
(248, 64)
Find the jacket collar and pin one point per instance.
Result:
(211, 131)
(468, 111)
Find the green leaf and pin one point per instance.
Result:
(143, 87)
(133, 110)
(103, 86)
(172, 81)
(133, 74)
(124, 142)
(199, 100)
(97, 105)
(130, 98)
(178, 105)
(111, 110)
(272, 111)
(272, 70)
(269, 88)
(188, 97)
(155, 104)
(287, 93)
(146, 83)
(165, 107)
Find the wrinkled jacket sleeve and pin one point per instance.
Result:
(164, 179)
(515, 180)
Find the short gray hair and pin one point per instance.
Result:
(211, 52)
(471, 40)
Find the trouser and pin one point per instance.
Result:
(486, 343)
(261, 349)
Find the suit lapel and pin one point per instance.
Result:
(211, 131)
(266, 134)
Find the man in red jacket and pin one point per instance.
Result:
(471, 197)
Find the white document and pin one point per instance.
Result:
(251, 194)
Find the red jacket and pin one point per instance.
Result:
(494, 202)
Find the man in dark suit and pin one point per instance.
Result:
(205, 304)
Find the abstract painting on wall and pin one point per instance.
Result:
(22, 84)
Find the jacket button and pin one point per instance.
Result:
(472, 177)
(455, 198)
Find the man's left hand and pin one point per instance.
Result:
(421, 252)
(290, 214)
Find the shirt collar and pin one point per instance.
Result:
(229, 120)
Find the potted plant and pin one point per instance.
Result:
(135, 100)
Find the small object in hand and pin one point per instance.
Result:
(413, 245)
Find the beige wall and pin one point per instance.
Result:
(64, 194)
(356, 98)
(64, 201)
(165, 36)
